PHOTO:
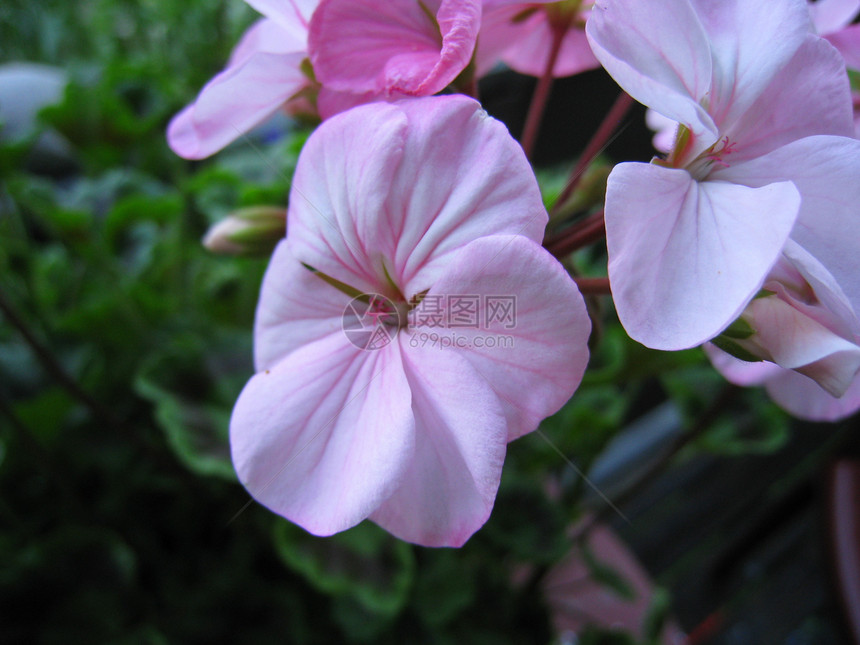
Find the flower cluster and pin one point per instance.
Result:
(741, 233)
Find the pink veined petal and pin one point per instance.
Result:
(463, 177)
(829, 16)
(803, 398)
(840, 316)
(825, 170)
(331, 102)
(288, 13)
(499, 31)
(741, 372)
(847, 41)
(448, 488)
(529, 55)
(233, 102)
(529, 336)
(325, 436)
(496, 35)
(658, 52)
(809, 96)
(797, 342)
(685, 257)
(266, 36)
(406, 184)
(665, 130)
(295, 308)
(339, 191)
(392, 47)
(525, 46)
(750, 42)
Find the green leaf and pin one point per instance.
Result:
(444, 586)
(193, 400)
(45, 413)
(364, 563)
(762, 430)
(657, 616)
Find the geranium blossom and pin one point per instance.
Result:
(691, 238)
(809, 324)
(832, 19)
(394, 48)
(520, 34)
(424, 200)
(264, 73)
(802, 321)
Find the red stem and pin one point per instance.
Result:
(607, 127)
(581, 234)
(541, 95)
(593, 286)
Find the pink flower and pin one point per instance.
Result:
(520, 34)
(380, 406)
(802, 321)
(263, 74)
(809, 325)
(832, 19)
(691, 239)
(394, 48)
(793, 392)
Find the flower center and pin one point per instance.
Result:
(702, 165)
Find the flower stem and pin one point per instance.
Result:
(581, 234)
(541, 94)
(595, 146)
(593, 286)
(52, 366)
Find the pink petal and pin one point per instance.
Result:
(331, 102)
(463, 177)
(685, 257)
(267, 36)
(829, 16)
(235, 101)
(803, 398)
(809, 96)
(534, 359)
(525, 46)
(838, 315)
(287, 13)
(664, 129)
(658, 52)
(435, 174)
(324, 437)
(825, 170)
(337, 210)
(365, 46)
(741, 372)
(448, 488)
(750, 42)
(847, 41)
(798, 342)
(296, 308)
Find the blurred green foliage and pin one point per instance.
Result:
(121, 521)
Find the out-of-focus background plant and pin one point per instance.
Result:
(124, 344)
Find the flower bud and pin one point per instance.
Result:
(255, 230)
(801, 321)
